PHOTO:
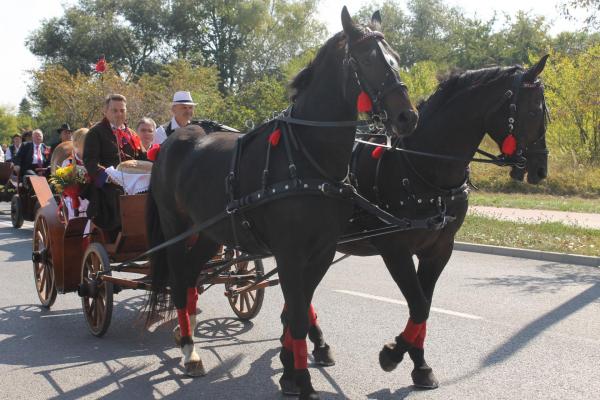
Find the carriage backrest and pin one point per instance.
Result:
(133, 222)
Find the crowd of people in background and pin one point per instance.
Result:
(99, 149)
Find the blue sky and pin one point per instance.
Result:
(23, 16)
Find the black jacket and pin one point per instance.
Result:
(24, 157)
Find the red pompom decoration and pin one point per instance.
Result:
(509, 145)
(377, 153)
(152, 152)
(274, 137)
(101, 65)
(364, 103)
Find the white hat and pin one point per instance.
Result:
(183, 97)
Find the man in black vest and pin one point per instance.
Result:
(33, 158)
(13, 149)
(182, 110)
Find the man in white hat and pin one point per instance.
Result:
(182, 110)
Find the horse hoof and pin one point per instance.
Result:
(177, 336)
(385, 360)
(424, 378)
(323, 356)
(289, 387)
(195, 369)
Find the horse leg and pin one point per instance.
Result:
(430, 269)
(402, 268)
(294, 353)
(186, 264)
(321, 352)
(192, 300)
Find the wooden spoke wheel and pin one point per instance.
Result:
(246, 305)
(43, 267)
(16, 211)
(97, 298)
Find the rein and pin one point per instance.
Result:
(502, 161)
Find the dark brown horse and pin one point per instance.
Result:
(301, 229)
(506, 103)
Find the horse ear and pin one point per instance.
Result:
(376, 21)
(535, 70)
(349, 28)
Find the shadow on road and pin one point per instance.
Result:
(56, 343)
(556, 277)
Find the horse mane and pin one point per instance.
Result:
(305, 76)
(458, 82)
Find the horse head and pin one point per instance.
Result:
(519, 125)
(372, 68)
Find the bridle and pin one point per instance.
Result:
(514, 150)
(376, 93)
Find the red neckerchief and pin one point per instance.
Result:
(127, 135)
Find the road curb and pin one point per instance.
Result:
(562, 258)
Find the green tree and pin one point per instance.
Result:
(129, 33)
(8, 124)
(572, 91)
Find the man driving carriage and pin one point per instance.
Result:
(182, 109)
(107, 144)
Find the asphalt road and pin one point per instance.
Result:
(502, 328)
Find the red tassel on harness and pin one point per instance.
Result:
(509, 145)
(274, 137)
(377, 152)
(101, 65)
(364, 103)
(152, 152)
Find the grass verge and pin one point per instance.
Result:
(546, 236)
(535, 202)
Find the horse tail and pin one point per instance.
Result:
(158, 297)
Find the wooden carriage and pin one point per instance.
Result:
(63, 262)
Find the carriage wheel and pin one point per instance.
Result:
(16, 212)
(247, 305)
(43, 268)
(98, 302)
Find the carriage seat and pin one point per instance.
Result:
(133, 176)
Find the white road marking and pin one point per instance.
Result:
(401, 302)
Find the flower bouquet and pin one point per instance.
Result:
(68, 182)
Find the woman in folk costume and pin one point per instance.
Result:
(76, 206)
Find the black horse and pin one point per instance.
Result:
(300, 229)
(506, 103)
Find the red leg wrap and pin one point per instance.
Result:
(300, 354)
(287, 340)
(420, 341)
(412, 331)
(312, 316)
(184, 322)
(192, 300)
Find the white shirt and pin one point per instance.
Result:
(35, 154)
(160, 135)
(9, 155)
(2, 155)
